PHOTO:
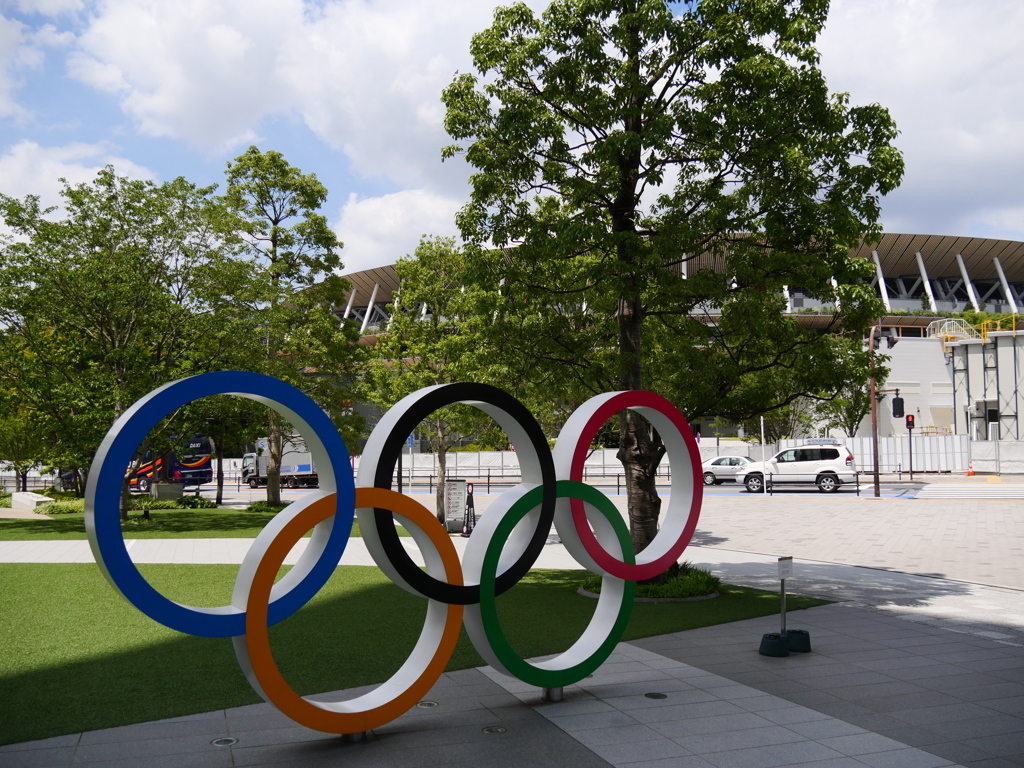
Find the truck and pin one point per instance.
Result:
(297, 467)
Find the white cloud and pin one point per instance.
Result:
(381, 230)
(203, 72)
(364, 75)
(29, 169)
(949, 72)
(13, 53)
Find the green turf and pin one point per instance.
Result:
(76, 656)
(163, 524)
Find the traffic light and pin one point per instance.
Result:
(910, 422)
(897, 407)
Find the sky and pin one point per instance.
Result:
(350, 90)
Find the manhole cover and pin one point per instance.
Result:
(427, 704)
(656, 695)
(224, 742)
(493, 729)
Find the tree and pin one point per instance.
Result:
(130, 289)
(275, 208)
(646, 184)
(21, 445)
(432, 337)
(847, 409)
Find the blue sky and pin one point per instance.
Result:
(349, 90)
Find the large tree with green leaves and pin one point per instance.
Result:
(294, 253)
(648, 177)
(127, 288)
(434, 337)
(21, 444)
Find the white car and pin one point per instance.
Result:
(824, 463)
(722, 468)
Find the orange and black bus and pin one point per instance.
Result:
(193, 467)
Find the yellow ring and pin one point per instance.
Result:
(326, 716)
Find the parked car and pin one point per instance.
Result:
(824, 463)
(722, 468)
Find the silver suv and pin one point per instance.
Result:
(824, 463)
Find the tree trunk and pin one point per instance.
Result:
(125, 495)
(275, 450)
(442, 464)
(218, 452)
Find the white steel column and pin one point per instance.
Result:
(789, 301)
(967, 283)
(881, 282)
(835, 285)
(1006, 285)
(369, 308)
(351, 301)
(927, 282)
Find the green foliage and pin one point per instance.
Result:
(196, 502)
(135, 504)
(435, 337)
(681, 580)
(5, 499)
(146, 503)
(129, 289)
(21, 442)
(70, 507)
(619, 146)
(294, 256)
(265, 507)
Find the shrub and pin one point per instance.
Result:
(680, 580)
(66, 507)
(147, 503)
(196, 502)
(262, 506)
(5, 499)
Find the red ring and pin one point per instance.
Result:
(636, 400)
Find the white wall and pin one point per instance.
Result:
(918, 368)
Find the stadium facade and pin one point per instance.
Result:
(956, 379)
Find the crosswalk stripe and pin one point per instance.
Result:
(971, 491)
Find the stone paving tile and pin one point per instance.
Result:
(38, 757)
(861, 744)
(641, 751)
(702, 744)
(687, 761)
(778, 755)
(904, 758)
(680, 729)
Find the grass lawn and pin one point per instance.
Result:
(163, 524)
(76, 656)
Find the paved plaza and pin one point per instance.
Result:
(919, 664)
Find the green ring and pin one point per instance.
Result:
(514, 663)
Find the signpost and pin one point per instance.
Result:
(785, 572)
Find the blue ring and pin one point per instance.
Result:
(103, 494)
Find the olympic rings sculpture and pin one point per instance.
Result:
(505, 544)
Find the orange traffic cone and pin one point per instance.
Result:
(970, 469)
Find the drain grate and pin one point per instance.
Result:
(225, 742)
(426, 704)
(656, 695)
(494, 729)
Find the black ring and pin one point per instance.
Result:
(468, 394)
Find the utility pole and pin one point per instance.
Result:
(876, 332)
(874, 410)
